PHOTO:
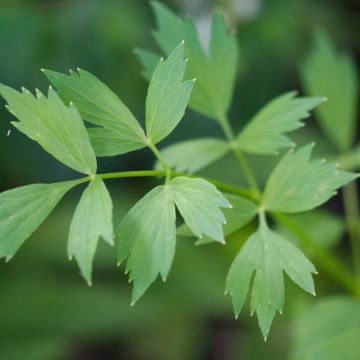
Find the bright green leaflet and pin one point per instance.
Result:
(298, 184)
(325, 72)
(147, 236)
(199, 204)
(92, 219)
(193, 155)
(267, 255)
(57, 128)
(118, 131)
(23, 209)
(265, 133)
(241, 213)
(328, 330)
(167, 96)
(215, 69)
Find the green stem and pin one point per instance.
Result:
(229, 134)
(322, 257)
(352, 215)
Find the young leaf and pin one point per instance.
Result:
(325, 72)
(214, 69)
(193, 155)
(57, 128)
(147, 236)
(241, 213)
(118, 132)
(23, 209)
(92, 219)
(267, 255)
(199, 204)
(298, 184)
(265, 133)
(328, 329)
(167, 96)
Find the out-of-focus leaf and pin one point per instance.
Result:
(149, 61)
(328, 330)
(265, 133)
(193, 155)
(215, 70)
(56, 127)
(298, 184)
(23, 209)
(168, 96)
(119, 131)
(327, 73)
(92, 220)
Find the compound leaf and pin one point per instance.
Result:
(242, 211)
(265, 133)
(267, 255)
(119, 132)
(298, 184)
(328, 330)
(147, 236)
(214, 69)
(193, 155)
(328, 73)
(56, 127)
(23, 209)
(199, 204)
(92, 219)
(167, 96)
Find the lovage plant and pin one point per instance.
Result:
(210, 209)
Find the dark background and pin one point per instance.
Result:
(46, 309)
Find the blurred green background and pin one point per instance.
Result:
(46, 309)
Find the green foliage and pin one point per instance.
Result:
(117, 131)
(264, 134)
(57, 128)
(147, 235)
(167, 96)
(23, 209)
(298, 184)
(193, 155)
(325, 72)
(92, 219)
(198, 202)
(268, 255)
(328, 330)
(215, 70)
(241, 212)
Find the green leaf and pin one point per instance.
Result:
(267, 255)
(328, 330)
(147, 235)
(215, 69)
(328, 73)
(236, 217)
(23, 209)
(199, 204)
(92, 219)
(193, 155)
(149, 60)
(119, 132)
(298, 184)
(167, 96)
(57, 128)
(265, 133)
